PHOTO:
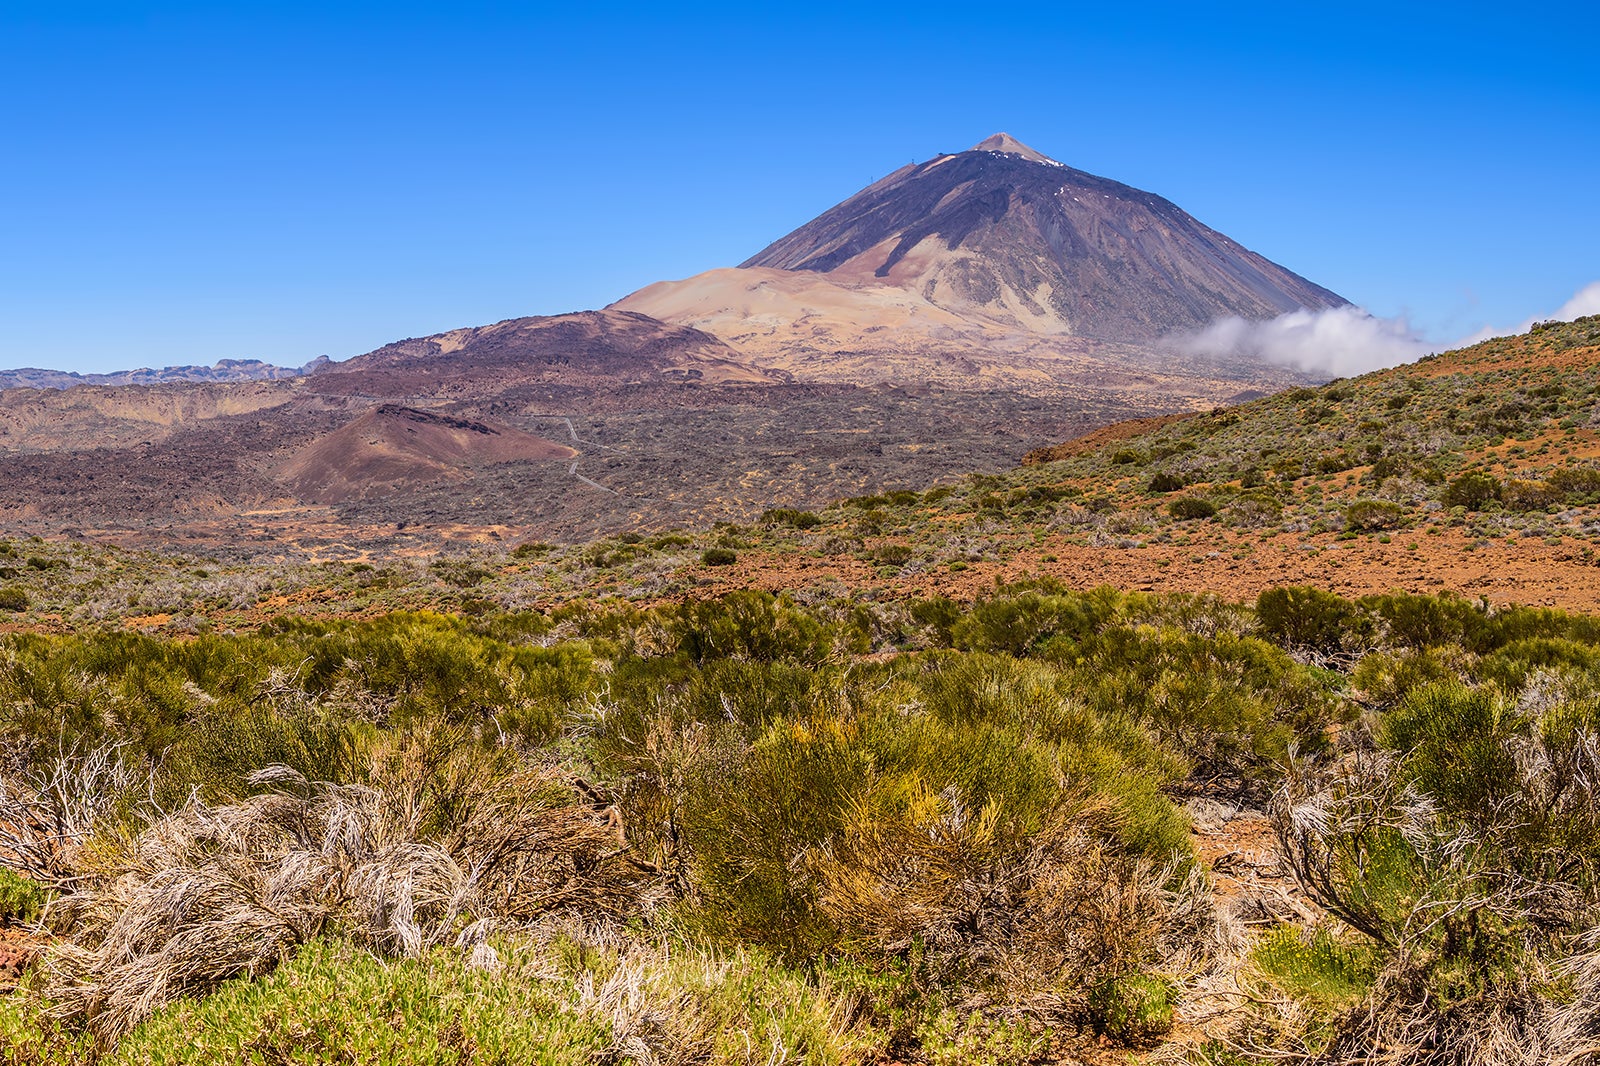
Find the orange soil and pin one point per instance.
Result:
(1099, 438)
(1238, 567)
(19, 951)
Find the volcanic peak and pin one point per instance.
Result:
(1006, 144)
(1005, 234)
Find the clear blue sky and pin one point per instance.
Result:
(188, 182)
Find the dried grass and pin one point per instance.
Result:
(435, 849)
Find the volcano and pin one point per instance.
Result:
(1002, 230)
(998, 249)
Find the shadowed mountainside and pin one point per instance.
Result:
(595, 349)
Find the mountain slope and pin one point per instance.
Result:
(994, 267)
(1475, 471)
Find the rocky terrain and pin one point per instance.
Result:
(1475, 472)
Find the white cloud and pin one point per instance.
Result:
(1347, 340)
(1586, 301)
(1338, 342)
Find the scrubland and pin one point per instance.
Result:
(611, 802)
(744, 830)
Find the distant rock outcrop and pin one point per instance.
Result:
(587, 348)
(224, 370)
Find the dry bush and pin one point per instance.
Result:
(1039, 917)
(49, 810)
(438, 848)
(1480, 921)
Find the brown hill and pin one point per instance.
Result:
(586, 349)
(812, 328)
(392, 449)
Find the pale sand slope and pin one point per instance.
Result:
(821, 328)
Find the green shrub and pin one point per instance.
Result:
(1455, 742)
(1191, 507)
(788, 516)
(13, 599)
(1018, 619)
(1304, 617)
(1314, 967)
(1225, 704)
(747, 819)
(1512, 665)
(1575, 483)
(1253, 511)
(719, 557)
(1372, 515)
(1521, 494)
(939, 613)
(1133, 1009)
(21, 900)
(1165, 482)
(1336, 462)
(895, 555)
(756, 626)
(1385, 678)
(1429, 621)
(1473, 490)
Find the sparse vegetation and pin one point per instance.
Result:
(589, 803)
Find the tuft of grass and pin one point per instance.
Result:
(1134, 1008)
(442, 843)
(1315, 967)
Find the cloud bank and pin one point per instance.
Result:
(1337, 342)
(1344, 341)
